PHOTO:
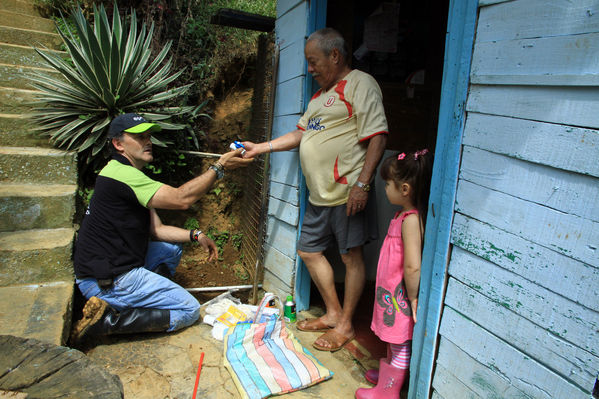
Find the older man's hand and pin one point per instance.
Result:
(233, 160)
(357, 200)
(253, 149)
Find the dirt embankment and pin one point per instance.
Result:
(219, 211)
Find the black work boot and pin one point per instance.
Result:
(100, 319)
(93, 312)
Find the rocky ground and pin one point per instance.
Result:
(165, 366)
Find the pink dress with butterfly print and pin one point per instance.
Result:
(392, 319)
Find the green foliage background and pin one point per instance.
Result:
(214, 58)
(207, 50)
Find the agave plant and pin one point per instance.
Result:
(110, 72)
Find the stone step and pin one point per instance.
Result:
(36, 206)
(36, 256)
(13, 54)
(20, 6)
(15, 130)
(16, 76)
(16, 101)
(24, 21)
(40, 311)
(37, 165)
(28, 37)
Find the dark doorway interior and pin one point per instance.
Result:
(411, 108)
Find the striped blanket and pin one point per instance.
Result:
(265, 359)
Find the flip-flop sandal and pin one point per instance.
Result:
(337, 340)
(312, 325)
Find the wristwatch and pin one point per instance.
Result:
(218, 169)
(194, 235)
(364, 187)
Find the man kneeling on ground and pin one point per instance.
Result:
(123, 274)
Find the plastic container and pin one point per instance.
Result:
(271, 302)
(237, 144)
(289, 310)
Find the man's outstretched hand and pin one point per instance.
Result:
(251, 149)
(233, 160)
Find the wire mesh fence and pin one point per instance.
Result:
(255, 190)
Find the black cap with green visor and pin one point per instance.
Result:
(131, 123)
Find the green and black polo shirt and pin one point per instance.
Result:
(115, 231)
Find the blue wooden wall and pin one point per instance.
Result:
(285, 175)
(521, 309)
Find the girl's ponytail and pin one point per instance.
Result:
(422, 182)
(416, 170)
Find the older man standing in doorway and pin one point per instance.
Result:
(341, 138)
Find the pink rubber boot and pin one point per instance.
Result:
(390, 381)
(372, 375)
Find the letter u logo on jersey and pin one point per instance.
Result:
(330, 101)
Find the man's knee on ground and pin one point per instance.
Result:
(186, 316)
(194, 315)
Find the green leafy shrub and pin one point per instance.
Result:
(218, 53)
(191, 223)
(112, 72)
(85, 194)
(236, 240)
(220, 238)
(240, 271)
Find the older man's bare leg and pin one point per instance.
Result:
(354, 285)
(323, 276)
(337, 316)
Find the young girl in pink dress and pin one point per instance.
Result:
(407, 183)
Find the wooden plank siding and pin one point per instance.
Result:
(578, 281)
(578, 147)
(521, 310)
(568, 106)
(527, 19)
(285, 177)
(563, 318)
(521, 370)
(450, 386)
(291, 61)
(487, 307)
(564, 233)
(481, 381)
(577, 64)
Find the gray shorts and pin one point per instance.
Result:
(324, 226)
